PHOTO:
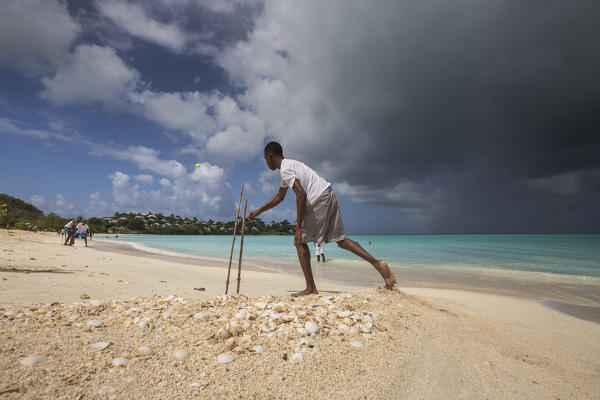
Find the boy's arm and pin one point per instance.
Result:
(278, 198)
(300, 207)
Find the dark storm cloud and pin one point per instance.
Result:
(482, 100)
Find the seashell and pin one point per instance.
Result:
(348, 321)
(126, 321)
(33, 360)
(279, 307)
(144, 324)
(354, 331)
(143, 351)
(310, 318)
(180, 354)
(344, 314)
(199, 383)
(241, 314)
(95, 322)
(222, 334)
(343, 327)
(302, 331)
(96, 303)
(297, 357)
(244, 342)
(260, 305)
(120, 362)
(307, 340)
(302, 314)
(356, 343)
(331, 307)
(366, 327)
(229, 344)
(258, 349)
(311, 327)
(98, 346)
(201, 316)
(287, 317)
(225, 358)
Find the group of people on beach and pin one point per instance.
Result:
(76, 228)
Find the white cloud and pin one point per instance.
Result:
(202, 193)
(98, 207)
(183, 111)
(133, 19)
(38, 201)
(10, 126)
(124, 194)
(92, 74)
(165, 182)
(269, 181)
(59, 204)
(145, 178)
(35, 35)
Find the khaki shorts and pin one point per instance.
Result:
(323, 220)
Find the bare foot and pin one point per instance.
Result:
(305, 292)
(387, 274)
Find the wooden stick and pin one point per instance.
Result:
(242, 246)
(233, 241)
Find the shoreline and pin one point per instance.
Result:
(563, 294)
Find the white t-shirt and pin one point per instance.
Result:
(69, 224)
(82, 228)
(311, 182)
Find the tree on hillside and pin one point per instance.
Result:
(18, 212)
(2, 214)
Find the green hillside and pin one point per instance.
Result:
(18, 212)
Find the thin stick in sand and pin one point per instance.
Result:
(241, 247)
(237, 215)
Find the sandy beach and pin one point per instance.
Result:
(102, 322)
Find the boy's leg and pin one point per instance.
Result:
(304, 258)
(318, 258)
(323, 257)
(380, 265)
(85, 238)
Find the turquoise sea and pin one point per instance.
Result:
(574, 255)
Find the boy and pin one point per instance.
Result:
(82, 231)
(318, 215)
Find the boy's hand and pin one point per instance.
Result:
(252, 215)
(298, 237)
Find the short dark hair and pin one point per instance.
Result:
(274, 148)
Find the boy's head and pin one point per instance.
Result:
(273, 152)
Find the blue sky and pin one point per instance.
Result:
(422, 116)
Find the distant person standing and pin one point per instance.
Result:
(320, 252)
(82, 231)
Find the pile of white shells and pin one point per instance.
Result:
(233, 325)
